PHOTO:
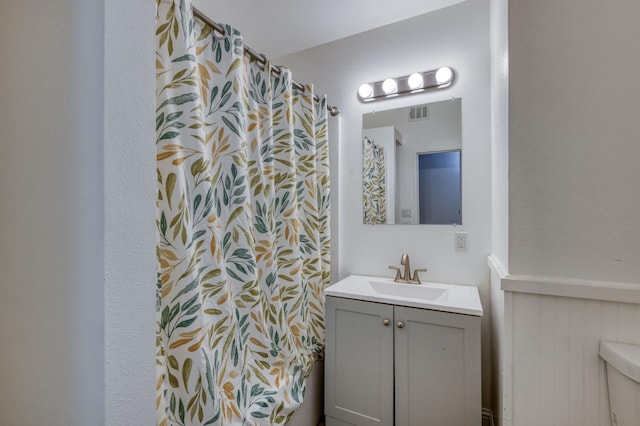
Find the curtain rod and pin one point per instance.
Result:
(262, 59)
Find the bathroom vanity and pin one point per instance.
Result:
(402, 354)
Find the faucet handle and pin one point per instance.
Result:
(416, 278)
(398, 277)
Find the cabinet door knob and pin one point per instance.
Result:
(386, 322)
(400, 324)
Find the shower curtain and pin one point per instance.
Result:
(243, 229)
(374, 183)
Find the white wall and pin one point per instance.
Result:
(500, 365)
(459, 37)
(51, 358)
(500, 132)
(335, 134)
(64, 266)
(130, 213)
(499, 196)
(574, 165)
(573, 151)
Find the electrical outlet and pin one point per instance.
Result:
(460, 240)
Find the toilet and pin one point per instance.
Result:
(623, 380)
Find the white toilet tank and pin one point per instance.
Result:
(623, 379)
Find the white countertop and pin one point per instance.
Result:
(459, 299)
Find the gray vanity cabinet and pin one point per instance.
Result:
(358, 362)
(393, 365)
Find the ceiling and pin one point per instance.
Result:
(280, 27)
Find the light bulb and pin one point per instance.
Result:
(415, 81)
(389, 86)
(444, 75)
(365, 90)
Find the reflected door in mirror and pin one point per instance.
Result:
(439, 188)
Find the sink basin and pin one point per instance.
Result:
(460, 299)
(414, 291)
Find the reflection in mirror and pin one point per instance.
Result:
(412, 160)
(439, 191)
(374, 176)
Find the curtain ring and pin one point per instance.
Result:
(263, 60)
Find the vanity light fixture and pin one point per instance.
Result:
(389, 86)
(444, 75)
(415, 83)
(365, 90)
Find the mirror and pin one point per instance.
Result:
(412, 165)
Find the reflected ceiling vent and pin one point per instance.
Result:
(419, 113)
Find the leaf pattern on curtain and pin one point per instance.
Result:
(374, 185)
(243, 229)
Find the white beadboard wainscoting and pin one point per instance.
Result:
(557, 375)
(552, 373)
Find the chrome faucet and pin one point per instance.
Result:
(406, 276)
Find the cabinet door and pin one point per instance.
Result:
(359, 362)
(437, 369)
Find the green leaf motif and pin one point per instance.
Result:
(181, 411)
(231, 126)
(243, 229)
(163, 224)
(159, 120)
(187, 57)
(173, 116)
(179, 100)
(186, 323)
(169, 135)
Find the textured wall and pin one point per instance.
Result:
(77, 213)
(130, 192)
(573, 139)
